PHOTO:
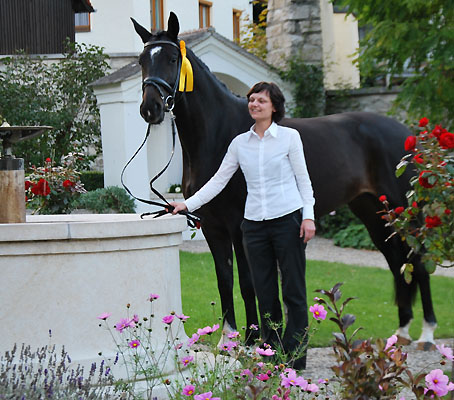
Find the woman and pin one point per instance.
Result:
(278, 217)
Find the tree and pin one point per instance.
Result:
(36, 92)
(416, 36)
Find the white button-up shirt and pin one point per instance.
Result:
(275, 170)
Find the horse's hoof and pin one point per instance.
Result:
(426, 346)
(403, 341)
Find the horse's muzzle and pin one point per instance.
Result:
(152, 111)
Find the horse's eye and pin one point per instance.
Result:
(174, 60)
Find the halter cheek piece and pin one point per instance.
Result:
(159, 83)
(169, 102)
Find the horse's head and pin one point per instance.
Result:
(161, 64)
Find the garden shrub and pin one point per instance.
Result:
(107, 200)
(354, 235)
(92, 180)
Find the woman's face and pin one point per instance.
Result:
(260, 106)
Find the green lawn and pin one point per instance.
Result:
(374, 309)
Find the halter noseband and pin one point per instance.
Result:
(160, 83)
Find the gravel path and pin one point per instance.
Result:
(320, 359)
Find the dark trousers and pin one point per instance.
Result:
(267, 243)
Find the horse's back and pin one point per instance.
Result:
(351, 153)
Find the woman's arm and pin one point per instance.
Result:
(215, 185)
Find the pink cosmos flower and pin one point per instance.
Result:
(247, 372)
(445, 351)
(391, 342)
(188, 390)
(254, 327)
(233, 335)
(312, 387)
(178, 346)
(135, 318)
(265, 352)
(182, 317)
(206, 396)
(134, 344)
(186, 360)
(437, 381)
(318, 311)
(168, 319)
(104, 316)
(122, 324)
(260, 364)
(208, 330)
(228, 346)
(153, 296)
(263, 377)
(321, 380)
(193, 339)
(291, 379)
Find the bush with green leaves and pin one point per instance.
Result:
(34, 91)
(354, 235)
(107, 200)
(92, 180)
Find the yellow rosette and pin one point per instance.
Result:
(186, 74)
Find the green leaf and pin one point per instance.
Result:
(431, 266)
(401, 167)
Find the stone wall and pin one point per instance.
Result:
(294, 29)
(375, 99)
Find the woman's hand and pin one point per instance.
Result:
(178, 207)
(307, 230)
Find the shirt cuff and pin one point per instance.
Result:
(308, 213)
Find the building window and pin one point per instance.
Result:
(157, 15)
(82, 22)
(204, 14)
(236, 24)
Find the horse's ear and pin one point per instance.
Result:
(173, 26)
(143, 33)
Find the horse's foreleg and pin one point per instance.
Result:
(221, 249)
(247, 289)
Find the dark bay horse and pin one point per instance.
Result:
(351, 158)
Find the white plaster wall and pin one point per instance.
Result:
(340, 41)
(112, 29)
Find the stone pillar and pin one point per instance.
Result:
(294, 29)
(12, 190)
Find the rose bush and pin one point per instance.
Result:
(52, 189)
(427, 222)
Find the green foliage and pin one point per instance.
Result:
(253, 36)
(354, 235)
(107, 200)
(307, 87)
(47, 373)
(427, 222)
(415, 35)
(92, 180)
(36, 92)
(328, 225)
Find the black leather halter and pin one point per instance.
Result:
(168, 102)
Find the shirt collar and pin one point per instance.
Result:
(272, 130)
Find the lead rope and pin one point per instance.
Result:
(192, 219)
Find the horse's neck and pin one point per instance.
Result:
(208, 118)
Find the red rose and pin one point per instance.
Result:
(48, 159)
(41, 188)
(418, 159)
(28, 184)
(68, 183)
(414, 204)
(423, 122)
(447, 211)
(382, 198)
(432, 222)
(446, 140)
(399, 210)
(410, 143)
(424, 180)
(438, 130)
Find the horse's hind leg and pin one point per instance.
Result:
(395, 251)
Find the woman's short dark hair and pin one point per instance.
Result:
(276, 96)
